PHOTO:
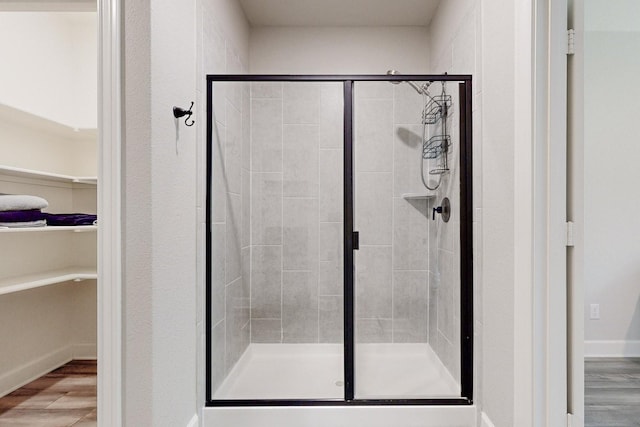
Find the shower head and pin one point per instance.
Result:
(393, 73)
(418, 89)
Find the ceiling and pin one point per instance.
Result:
(339, 12)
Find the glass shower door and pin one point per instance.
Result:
(276, 282)
(407, 269)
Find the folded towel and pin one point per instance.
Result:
(70, 219)
(20, 202)
(26, 224)
(22, 216)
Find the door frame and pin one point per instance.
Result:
(110, 296)
(549, 210)
(350, 241)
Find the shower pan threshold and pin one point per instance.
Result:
(315, 371)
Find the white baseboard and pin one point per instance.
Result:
(194, 422)
(485, 421)
(17, 377)
(622, 348)
(85, 351)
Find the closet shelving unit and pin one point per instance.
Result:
(38, 279)
(40, 182)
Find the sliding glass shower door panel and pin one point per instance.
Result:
(407, 268)
(277, 291)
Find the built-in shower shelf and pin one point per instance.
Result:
(418, 196)
(31, 281)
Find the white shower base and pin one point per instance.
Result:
(315, 371)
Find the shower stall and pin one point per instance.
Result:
(339, 240)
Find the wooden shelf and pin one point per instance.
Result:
(31, 281)
(51, 228)
(418, 196)
(47, 176)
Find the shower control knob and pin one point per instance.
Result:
(444, 210)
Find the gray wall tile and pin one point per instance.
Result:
(301, 102)
(300, 236)
(331, 185)
(266, 330)
(218, 275)
(246, 127)
(331, 115)
(300, 160)
(410, 234)
(219, 179)
(266, 89)
(266, 135)
(331, 327)
(266, 208)
(373, 330)
(245, 227)
(331, 278)
(299, 307)
(237, 321)
(374, 208)
(408, 104)
(233, 238)
(218, 351)
(266, 281)
(407, 158)
(410, 306)
(233, 149)
(373, 282)
(374, 135)
(379, 90)
(331, 241)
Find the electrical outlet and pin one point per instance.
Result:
(595, 312)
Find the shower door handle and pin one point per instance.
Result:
(356, 240)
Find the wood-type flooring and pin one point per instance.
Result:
(64, 397)
(612, 392)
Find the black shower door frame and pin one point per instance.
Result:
(351, 240)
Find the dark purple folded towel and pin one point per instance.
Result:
(22, 216)
(70, 219)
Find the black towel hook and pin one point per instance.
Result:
(180, 112)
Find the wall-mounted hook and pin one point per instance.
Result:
(180, 112)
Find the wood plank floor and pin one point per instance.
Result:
(612, 392)
(64, 397)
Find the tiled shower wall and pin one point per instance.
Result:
(230, 209)
(392, 265)
(277, 221)
(296, 215)
(444, 279)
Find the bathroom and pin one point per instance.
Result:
(152, 325)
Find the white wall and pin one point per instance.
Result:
(159, 282)
(175, 43)
(338, 50)
(611, 156)
(57, 73)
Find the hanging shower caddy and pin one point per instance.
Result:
(436, 111)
